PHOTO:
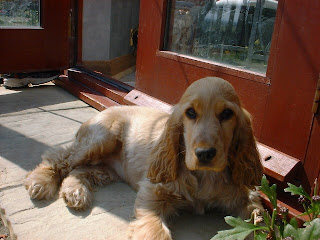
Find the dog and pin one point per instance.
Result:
(201, 156)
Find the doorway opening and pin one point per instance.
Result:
(109, 38)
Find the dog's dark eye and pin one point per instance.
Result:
(191, 113)
(226, 114)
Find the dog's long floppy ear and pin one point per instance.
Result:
(244, 158)
(165, 155)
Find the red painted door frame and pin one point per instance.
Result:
(288, 118)
(279, 101)
(34, 49)
(312, 160)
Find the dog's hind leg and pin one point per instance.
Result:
(94, 141)
(76, 188)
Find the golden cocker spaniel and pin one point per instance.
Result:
(201, 156)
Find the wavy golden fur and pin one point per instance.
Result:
(201, 156)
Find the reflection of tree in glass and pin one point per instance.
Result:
(19, 12)
(235, 32)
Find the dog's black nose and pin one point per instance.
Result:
(205, 155)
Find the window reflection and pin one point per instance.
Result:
(233, 32)
(20, 13)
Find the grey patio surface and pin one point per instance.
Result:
(36, 118)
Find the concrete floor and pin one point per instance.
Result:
(36, 118)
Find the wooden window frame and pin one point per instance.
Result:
(216, 66)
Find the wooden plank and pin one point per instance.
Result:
(100, 76)
(210, 65)
(87, 95)
(277, 164)
(113, 66)
(293, 212)
(99, 66)
(122, 63)
(127, 71)
(103, 88)
(136, 97)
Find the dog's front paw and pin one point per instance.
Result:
(76, 197)
(41, 185)
(141, 230)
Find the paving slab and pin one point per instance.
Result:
(31, 121)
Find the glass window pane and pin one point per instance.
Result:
(233, 32)
(19, 13)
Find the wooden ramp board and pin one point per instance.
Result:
(87, 95)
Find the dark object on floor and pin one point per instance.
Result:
(46, 74)
(18, 80)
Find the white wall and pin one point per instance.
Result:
(106, 28)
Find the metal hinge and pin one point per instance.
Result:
(315, 106)
(70, 25)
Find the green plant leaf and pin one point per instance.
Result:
(294, 190)
(316, 187)
(240, 231)
(308, 213)
(266, 217)
(291, 231)
(293, 222)
(261, 236)
(271, 192)
(312, 231)
(316, 208)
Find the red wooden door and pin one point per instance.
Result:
(294, 76)
(280, 100)
(34, 48)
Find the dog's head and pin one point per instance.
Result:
(215, 132)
